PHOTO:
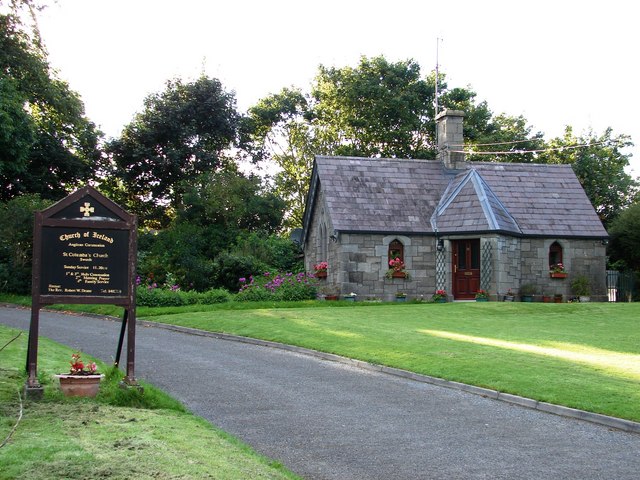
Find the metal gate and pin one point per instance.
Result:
(621, 286)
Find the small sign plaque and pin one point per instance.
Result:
(85, 261)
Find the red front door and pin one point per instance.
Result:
(466, 268)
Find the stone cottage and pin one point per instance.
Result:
(450, 224)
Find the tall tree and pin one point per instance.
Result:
(379, 108)
(47, 145)
(599, 163)
(624, 248)
(182, 132)
(281, 131)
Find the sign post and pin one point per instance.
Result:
(84, 252)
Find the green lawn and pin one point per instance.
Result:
(584, 356)
(121, 434)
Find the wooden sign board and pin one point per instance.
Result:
(84, 252)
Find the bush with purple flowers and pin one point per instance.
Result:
(278, 287)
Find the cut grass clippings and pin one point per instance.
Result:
(584, 356)
(121, 434)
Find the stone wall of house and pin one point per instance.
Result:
(506, 263)
(525, 261)
(319, 239)
(364, 258)
(358, 264)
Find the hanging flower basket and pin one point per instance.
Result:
(321, 274)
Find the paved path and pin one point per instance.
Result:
(328, 421)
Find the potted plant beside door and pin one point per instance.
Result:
(482, 296)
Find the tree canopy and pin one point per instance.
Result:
(379, 108)
(47, 145)
(624, 247)
(182, 132)
(599, 163)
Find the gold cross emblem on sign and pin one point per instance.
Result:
(87, 209)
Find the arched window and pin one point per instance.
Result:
(396, 250)
(555, 254)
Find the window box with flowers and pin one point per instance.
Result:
(482, 296)
(439, 297)
(557, 271)
(396, 269)
(321, 269)
(83, 380)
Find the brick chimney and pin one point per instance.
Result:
(450, 138)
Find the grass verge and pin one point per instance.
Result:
(120, 434)
(585, 356)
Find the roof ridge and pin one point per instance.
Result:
(377, 159)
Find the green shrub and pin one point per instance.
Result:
(212, 296)
(160, 297)
(16, 242)
(149, 296)
(279, 253)
(254, 294)
(230, 268)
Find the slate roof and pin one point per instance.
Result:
(420, 196)
(470, 204)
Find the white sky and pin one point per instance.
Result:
(555, 62)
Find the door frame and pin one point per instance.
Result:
(465, 272)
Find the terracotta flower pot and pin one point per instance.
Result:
(80, 385)
(321, 274)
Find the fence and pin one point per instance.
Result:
(621, 286)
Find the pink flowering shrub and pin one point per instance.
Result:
(278, 287)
